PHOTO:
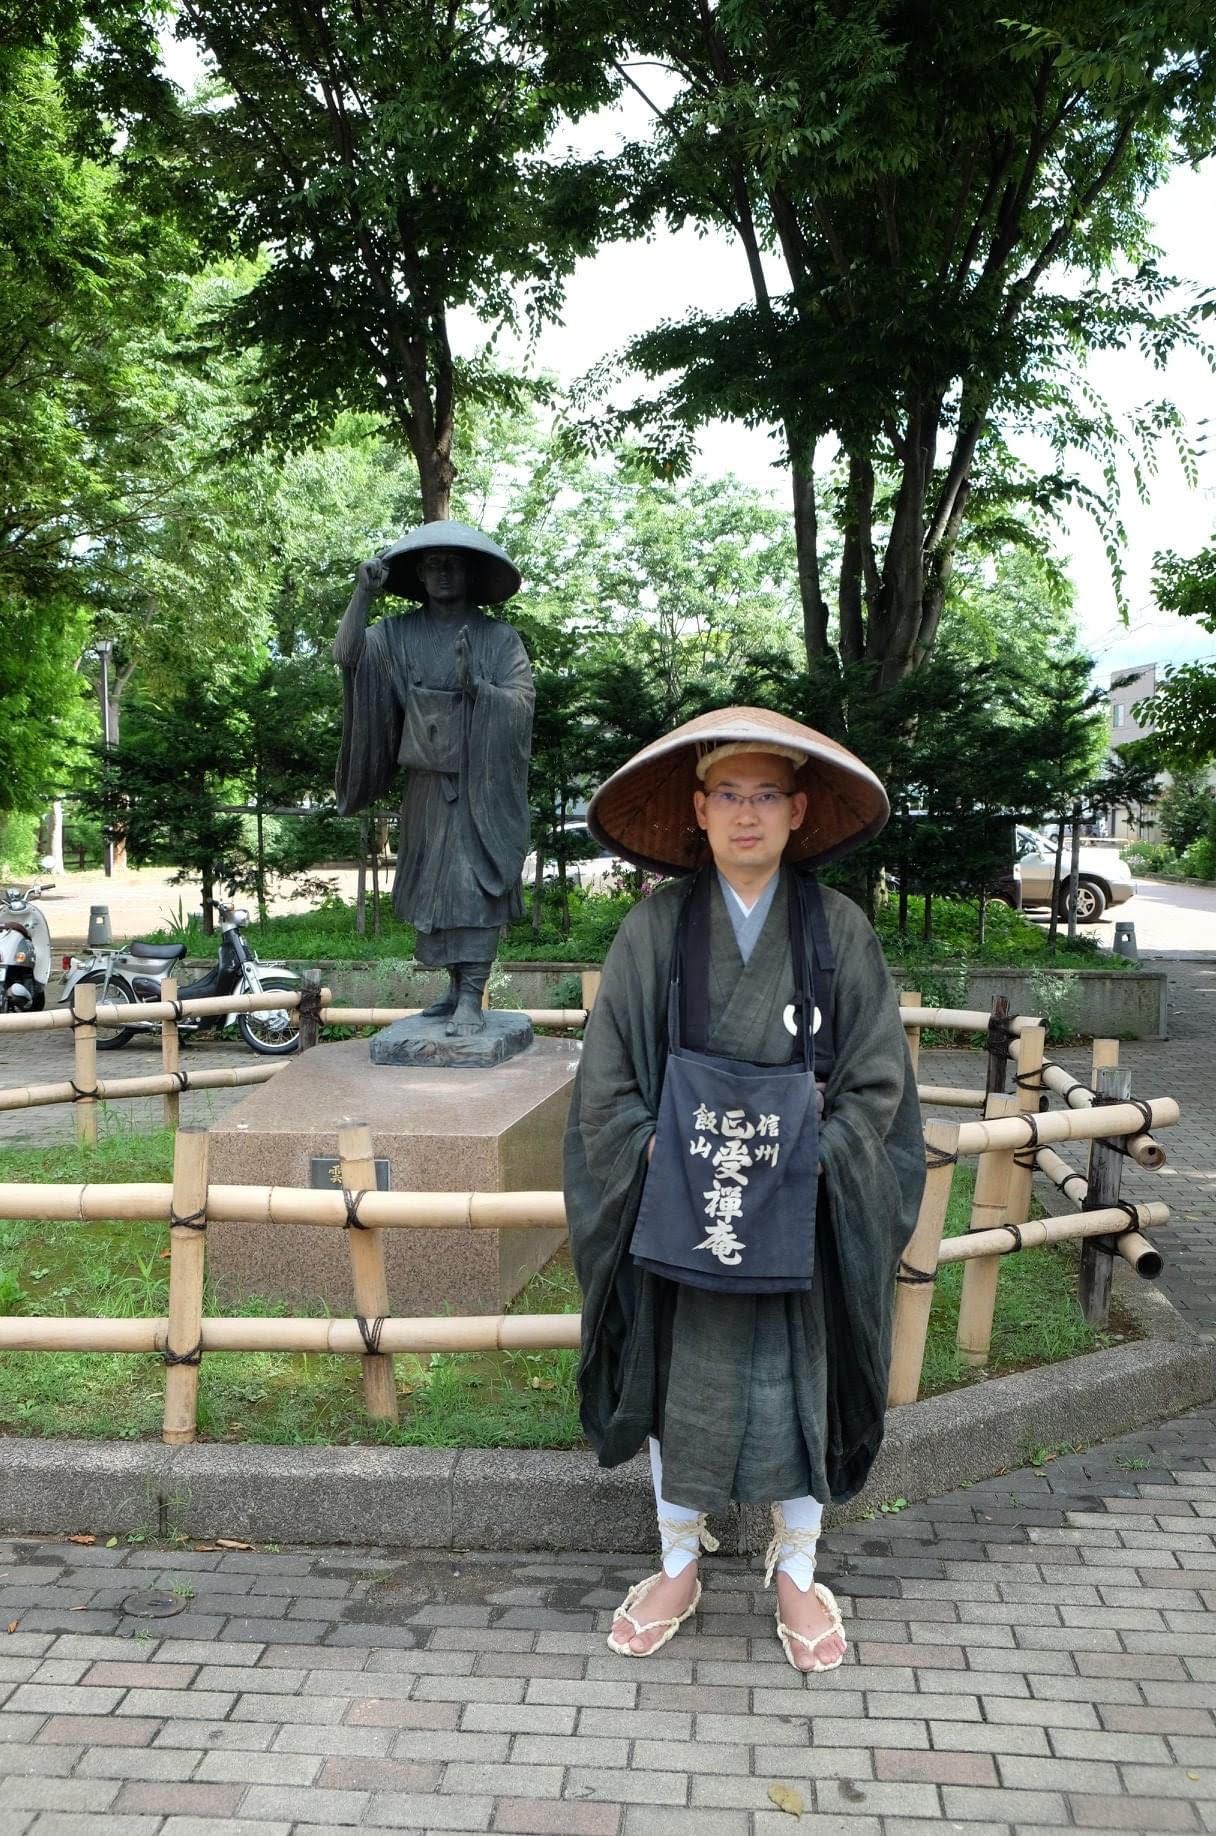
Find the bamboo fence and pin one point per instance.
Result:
(191, 1202)
(1016, 1137)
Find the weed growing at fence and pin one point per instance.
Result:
(516, 1399)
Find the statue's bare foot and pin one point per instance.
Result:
(467, 1019)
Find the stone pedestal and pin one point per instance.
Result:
(494, 1130)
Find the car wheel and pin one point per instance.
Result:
(1091, 902)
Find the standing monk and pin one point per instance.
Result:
(744, 1160)
(446, 692)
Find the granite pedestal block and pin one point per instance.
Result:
(493, 1130)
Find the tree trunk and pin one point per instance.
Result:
(1074, 872)
(1053, 927)
(208, 881)
(50, 837)
(806, 540)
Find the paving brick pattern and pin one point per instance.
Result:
(1033, 1653)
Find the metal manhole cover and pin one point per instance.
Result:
(148, 1604)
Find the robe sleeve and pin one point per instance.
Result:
(499, 746)
(371, 726)
(871, 1148)
(613, 1110)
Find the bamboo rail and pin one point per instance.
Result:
(1065, 1125)
(149, 1202)
(1141, 1147)
(477, 1332)
(385, 1016)
(952, 1096)
(999, 1239)
(115, 1013)
(962, 1019)
(158, 1083)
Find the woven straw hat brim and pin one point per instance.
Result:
(493, 576)
(644, 811)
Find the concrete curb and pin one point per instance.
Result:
(516, 1499)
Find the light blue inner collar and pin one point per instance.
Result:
(747, 926)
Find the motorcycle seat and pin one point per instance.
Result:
(159, 953)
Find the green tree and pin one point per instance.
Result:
(394, 163)
(941, 211)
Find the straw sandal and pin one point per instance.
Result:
(787, 1540)
(676, 1533)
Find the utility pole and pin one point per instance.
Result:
(104, 647)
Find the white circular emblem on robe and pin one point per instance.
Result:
(791, 1024)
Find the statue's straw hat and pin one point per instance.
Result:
(493, 576)
(644, 811)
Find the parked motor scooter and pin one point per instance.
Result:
(134, 975)
(25, 951)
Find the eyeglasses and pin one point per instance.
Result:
(764, 800)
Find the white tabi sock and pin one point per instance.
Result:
(802, 1518)
(678, 1525)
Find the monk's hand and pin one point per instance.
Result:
(372, 577)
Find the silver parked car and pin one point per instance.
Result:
(1105, 878)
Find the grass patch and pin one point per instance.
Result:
(515, 1399)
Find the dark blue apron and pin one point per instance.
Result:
(729, 1198)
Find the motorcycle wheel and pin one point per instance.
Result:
(119, 994)
(274, 1033)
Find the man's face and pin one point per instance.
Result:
(444, 576)
(751, 836)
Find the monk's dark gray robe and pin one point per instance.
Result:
(464, 811)
(753, 1397)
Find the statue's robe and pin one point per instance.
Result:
(464, 811)
(753, 1397)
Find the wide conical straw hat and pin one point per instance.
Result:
(644, 811)
(493, 576)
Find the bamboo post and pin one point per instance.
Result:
(170, 1054)
(1104, 1178)
(310, 1010)
(910, 997)
(918, 1267)
(187, 1252)
(1030, 1098)
(988, 1208)
(1105, 1055)
(591, 979)
(368, 1275)
(84, 1070)
(998, 1045)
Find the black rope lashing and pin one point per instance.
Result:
(1130, 1212)
(938, 1157)
(190, 1357)
(1015, 1231)
(1026, 1158)
(177, 1011)
(83, 1096)
(352, 1201)
(1119, 1142)
(915, 1278)
(182, 1078)
(370, 1330)
(193, 1220)
(76, 1019)
(1032, 1123)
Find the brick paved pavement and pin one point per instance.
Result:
(1033, 1653)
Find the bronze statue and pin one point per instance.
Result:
(447, 693)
